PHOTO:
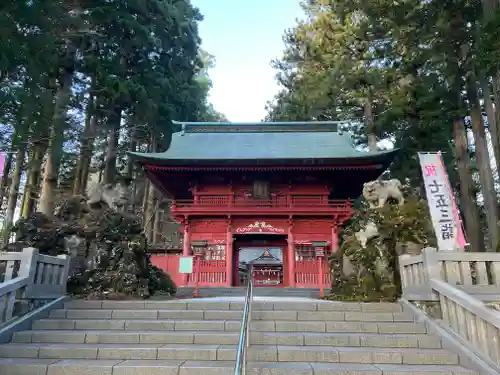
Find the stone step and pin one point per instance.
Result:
(138, 324)
(127, 337)
(228, 325)
(267, 353)
(295, 304)
(229, 338)
(231, 315)
(28, 366)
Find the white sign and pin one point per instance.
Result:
(441, 201)
(186, 265)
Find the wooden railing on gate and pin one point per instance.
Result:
(459, 282)
(307, 274)
(208, 273)
(29, 276)
(229, 204)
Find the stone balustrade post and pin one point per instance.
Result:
(432, 269)
(27, 268)
(64, 275)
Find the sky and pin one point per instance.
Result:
(244, 36)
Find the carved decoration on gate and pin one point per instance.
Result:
(259, 227)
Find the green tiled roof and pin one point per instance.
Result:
(264, 141)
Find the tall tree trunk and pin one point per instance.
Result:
(492, 123)
(112, 145)
(54, 152)
(489, 10)
(132, 148)
(14, 191)
(145, 196)
(151, 201)
(86, 149)
(496, 98)
(370, 124)
(4, 183)
(150, 213)
(31, 189)
(130, 173)
(483, 162)
(468, 202)
(157, 223)
(145, 201)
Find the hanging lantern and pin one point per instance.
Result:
(198, 247)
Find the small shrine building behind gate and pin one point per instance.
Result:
(270, 195)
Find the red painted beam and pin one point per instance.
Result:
(168, 168)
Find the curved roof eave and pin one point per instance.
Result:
(360, 158)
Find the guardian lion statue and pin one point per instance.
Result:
(378, 192)
(114, 195)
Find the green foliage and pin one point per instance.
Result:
(132, 59)
(39, 231)
(160, 281)
(488, 52)
(402, 57)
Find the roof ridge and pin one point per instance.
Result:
(289, 127)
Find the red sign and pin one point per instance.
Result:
(430, 170)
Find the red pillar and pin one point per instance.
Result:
(335, 240)
(319, 259)
(291, 257)
(229, 256)
(186, 249)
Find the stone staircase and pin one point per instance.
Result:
(199, 337)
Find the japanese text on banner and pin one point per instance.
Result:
(440, 201)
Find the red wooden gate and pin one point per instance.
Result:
(307, 273)
(210, 273)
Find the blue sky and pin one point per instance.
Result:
(244, 36)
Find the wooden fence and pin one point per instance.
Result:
(29, 276)
(307, 273)
(460, 282)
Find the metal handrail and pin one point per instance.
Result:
(243, 344)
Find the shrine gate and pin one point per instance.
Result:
(270, 195)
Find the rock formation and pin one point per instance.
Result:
(382, 228)
(109, 251)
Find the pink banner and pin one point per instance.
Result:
(442, 205)
(461, 242)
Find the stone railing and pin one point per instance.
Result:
(470, 319)
(477, 274)
(459, 282)
(27, 277)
